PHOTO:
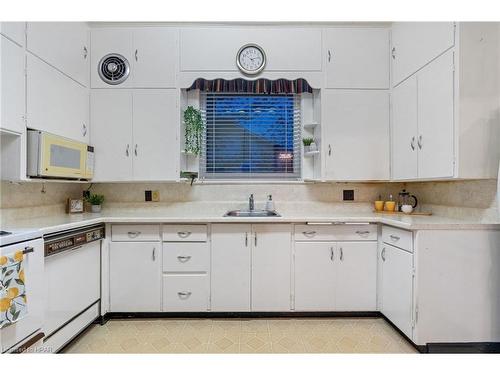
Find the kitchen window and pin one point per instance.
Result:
(251, 136)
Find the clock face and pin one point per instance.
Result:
(251, 59)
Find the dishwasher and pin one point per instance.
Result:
(72, 283)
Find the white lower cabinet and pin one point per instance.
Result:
(397, 287)
(251, 267)
(271, 253)
(231, 264)
(185, 292)
(135, 276)
(356, 276)
(314, 276)
(340, 276)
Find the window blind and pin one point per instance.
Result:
(251, 136)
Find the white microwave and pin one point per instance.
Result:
(52, 156)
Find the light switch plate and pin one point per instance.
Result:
(155, 196)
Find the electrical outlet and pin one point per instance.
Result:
(348, 195)
(147, 195)
(155, 197)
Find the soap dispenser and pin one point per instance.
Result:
(269, 203)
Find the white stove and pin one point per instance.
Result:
(8, 236)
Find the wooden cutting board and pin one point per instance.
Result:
(415, 213)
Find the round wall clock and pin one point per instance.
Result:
(251, 59)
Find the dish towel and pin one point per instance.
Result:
(13, 302)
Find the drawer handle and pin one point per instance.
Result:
(183, 234)
(134, 234)
(310, 233)
(184, 295)
(184, 258)
(394, 238)
(362, 232)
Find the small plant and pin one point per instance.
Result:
(95, 199)
(307, 141)
(194, 130)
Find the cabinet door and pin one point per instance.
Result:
(404, 130)
(271, 254)
(397, 287)
(155, 57)
(135, 276)
(416, 44)
(356, 134)
(315, 276)
(435, 118)
(356, 276)
(56, 103)
(156, 143)
(15, 31)
(111, 119)
(105, 41)
(357, 58)
(11, 86)
(231, 267)
(63, 45)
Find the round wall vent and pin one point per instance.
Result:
(113, 69)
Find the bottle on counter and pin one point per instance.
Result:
(269, 203)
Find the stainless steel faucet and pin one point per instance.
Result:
(251, 203)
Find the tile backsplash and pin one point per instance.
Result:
(38, 199)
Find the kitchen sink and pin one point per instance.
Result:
(254, 213)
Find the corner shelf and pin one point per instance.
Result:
(311, 153)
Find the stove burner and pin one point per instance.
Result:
(4, 233)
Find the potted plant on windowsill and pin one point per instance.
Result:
(193, 130)
(96, 201)
(309, 145)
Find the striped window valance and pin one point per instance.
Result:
(259, 86)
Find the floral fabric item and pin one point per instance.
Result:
(13, 306)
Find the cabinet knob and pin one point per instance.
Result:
(135, 149)
(419, 142)
(329, 150)
(331, 253)
(329, 55)
(127, 150)
(135, 55)
(84, 129)
(309, 233)
(133, 234)
(85, 52)
(183, 234)
(394, 238)
(382, 254)
(184, 258)
(393, 53)
(363, 232)
(341, 254)
(412, 143)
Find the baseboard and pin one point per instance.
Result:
(464, 348)
(242, 315)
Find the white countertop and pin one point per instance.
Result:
(213, 213)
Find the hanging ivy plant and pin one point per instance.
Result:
(194, 130)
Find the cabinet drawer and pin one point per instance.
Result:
(186, 257)
(398, 237)
(185, 292)
(188, 233)
(346, 232)
(135, 233)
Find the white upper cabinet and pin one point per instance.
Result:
(271, 259)
(63, 45)
(435, 140)
(111, 136)
(357, 58)
(152, 55)
(135, 135)
(231, 267)
(404, 130)
(55, 103)
(156, 140)
(15, 31)
(355, 126)
(12, 87)
(423, 123)
(155, 57)
(215, 48)
(414, 44)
